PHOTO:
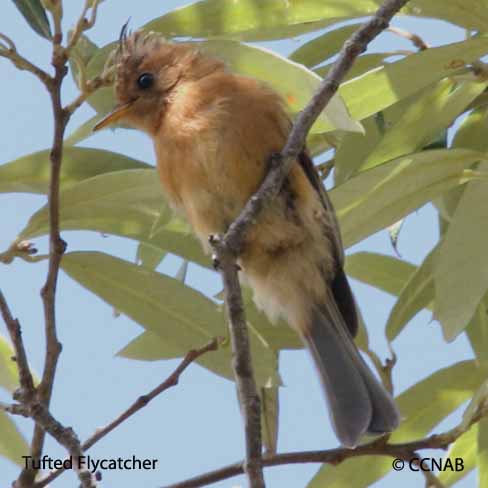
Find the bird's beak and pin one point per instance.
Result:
(114, 116)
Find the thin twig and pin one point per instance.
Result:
(229, 247)
(9, 51)
(415, 39)
(83, 24)
(141, 402)
(13, 327)
(88, 88)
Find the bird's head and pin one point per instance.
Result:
(148, 72)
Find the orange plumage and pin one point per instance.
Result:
(213, 132)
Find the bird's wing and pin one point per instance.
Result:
(309, 169)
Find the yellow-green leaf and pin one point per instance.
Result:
(384, 272)
(434, 110)
(320, 48)
(378, 197)
(482, 453)
(249, 20)
(179, 316)
(9, 378)
(12, 445)
(384, 86)
(30, 174)
(127, 203)
(418, 293)
(472, 132)
(460, 274)
(270, 407)
(465, 448)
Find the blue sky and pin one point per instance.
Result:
(196, 426)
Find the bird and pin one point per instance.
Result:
(213, 132)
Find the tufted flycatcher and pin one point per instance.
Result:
(213, 133)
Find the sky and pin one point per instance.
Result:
(196, 426)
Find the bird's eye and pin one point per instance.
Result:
(145, 81)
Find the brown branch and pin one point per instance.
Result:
(242, 364)
(415, 39)
(405, 451)
(141, 402)
(228, 248)
(88, 88)
(56, 250)
(83, 24)
(9, 51)
(25, 376)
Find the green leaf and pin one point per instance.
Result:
(378, 197)
(434, 110)
(248, 20)
(465, 448)
(476, 406)
(422, 407)
(482, 453)
(471, 134)
(30, 174)
(354, 148)
(177, 317)
(323, 47)
(82, 52)
(384, 272)
(9, 378)
(102, 101)
(418, 293)
(471, 14)
(12, 445)
(274, 19)
(363, 64)
(127, 203)
(295, 83)
(460, 274)
(270, 406)
(384, 86)
(35, 15)
(477, 332)
(149, 256)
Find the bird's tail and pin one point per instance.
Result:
(358, 403)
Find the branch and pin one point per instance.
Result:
(141, 402)
(88, 88)
(83, 23)
(241, 362)
(406, 452)
(415, 39)
(25, 376)
(228, 248)
(8, 50)
(57, 248)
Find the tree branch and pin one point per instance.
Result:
(9, 51)
(228, 248)
(141, 402)
(406, 452)
(14, 330)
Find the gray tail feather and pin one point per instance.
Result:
(358, 403)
